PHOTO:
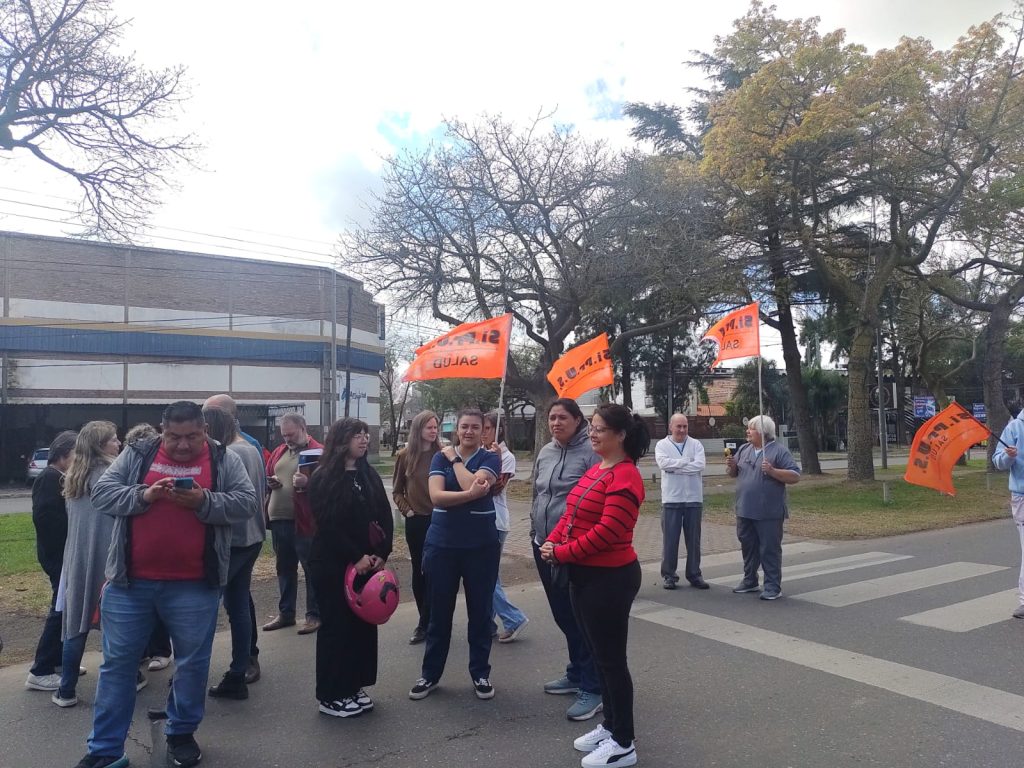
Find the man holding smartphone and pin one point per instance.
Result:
(174, 498)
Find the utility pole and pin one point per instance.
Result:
(348, 353)
(333, 413)
(883, 430)
(671, 378)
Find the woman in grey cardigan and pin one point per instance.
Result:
(85, 553)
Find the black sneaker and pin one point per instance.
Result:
(347, 707)
(745, 586)
(483, 688)
(669, 584)
(231, 686)
(182, 750)
(771, 594)
(422, 689)
(418, 636)
(103, 761)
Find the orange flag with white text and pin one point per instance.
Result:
(468, 351)
(738, 334)
(938, 444)
(583, 368)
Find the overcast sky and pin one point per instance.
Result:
(296, 103)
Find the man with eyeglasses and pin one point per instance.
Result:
(174, 498)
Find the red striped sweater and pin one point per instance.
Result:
(602, 534)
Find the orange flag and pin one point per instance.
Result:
(469, 351)
(583, 368)
(737, 334)
(938, 444)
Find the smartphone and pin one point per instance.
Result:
(184, 483)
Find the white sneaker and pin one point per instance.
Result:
(363, 700)
(42, 682)
(159, 662)
(588, 742)
(610, 753)
(60, 701)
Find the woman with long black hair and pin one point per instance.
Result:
(353, 526)
(594, 540)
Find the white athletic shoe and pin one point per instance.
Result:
(588, 742)
(610, 753)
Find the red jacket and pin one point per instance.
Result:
(304, 523)
(602, 532)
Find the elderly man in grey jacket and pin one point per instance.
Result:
(174, 499)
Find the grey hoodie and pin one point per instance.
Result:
(119, 494)
(555, 473)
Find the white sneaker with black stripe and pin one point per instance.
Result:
(347, 707)
(609, 753)
(591, 740)
(363, 700)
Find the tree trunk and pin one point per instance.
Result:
(801, 411)
(541, 436)
(859, 440)
(994, 340)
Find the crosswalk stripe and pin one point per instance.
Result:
(969, 614)
(735, 558)
(978, 701)
(823, 567)
(887, 586)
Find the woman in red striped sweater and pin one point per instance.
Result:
(594, 540)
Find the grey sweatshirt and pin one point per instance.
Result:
(555, 473)
(119, 494)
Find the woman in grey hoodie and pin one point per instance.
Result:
(559, 465)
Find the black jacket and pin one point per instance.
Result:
(50, 518)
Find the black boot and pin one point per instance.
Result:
(231, 686)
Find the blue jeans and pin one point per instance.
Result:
(581, 669)
(511, 617)
(477, 569)
(290, 550)
(128, 615)
(236, 603)
(71, 662)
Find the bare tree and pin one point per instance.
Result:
(495, 219)
(72, 101)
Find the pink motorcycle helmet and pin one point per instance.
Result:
(374, 598)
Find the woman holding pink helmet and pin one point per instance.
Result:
(354, 532)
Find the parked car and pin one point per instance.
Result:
(36, 464)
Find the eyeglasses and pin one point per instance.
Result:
(599, 430)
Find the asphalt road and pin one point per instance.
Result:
(895, 652)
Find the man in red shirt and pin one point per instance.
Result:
(173, 498)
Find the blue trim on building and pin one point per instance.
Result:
(176, 347)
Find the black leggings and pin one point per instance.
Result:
(415, 535)
(601, 600)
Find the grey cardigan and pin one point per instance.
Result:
(555, 473)
(119, 494)
(85, 554)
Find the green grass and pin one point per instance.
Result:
(844, 510)
(23, 585)
(17, 544)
